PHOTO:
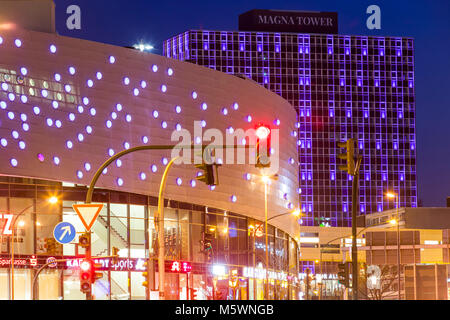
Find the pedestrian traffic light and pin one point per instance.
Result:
(263, 135)
(209, 175)
(84, 240)
(348, 156)
(85, 275)
(343, 274)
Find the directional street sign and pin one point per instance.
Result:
(88, 213)
(64, 232)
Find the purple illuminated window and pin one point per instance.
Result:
(112, 59)
(194, 95)
(79, 174)
(193, 183)
(142, 176)
(224, 111)
(25, 127)
(119, 107)
(119, 182)
(57, 77)
(233, 198)
(14, 162)
(126, 81)
(71, 117)
(204, 106)
(144, 139)
(99, 75)
(164, 161)
(154, 68)
(52, 48)
(136, 92)
(80, 109)
(56, 160)
(18, 43)
(3, 142)
(177, 109)
(72, 70)
(154, 168)
(163, 88)
(179, 181)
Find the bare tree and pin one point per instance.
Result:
(387, 279)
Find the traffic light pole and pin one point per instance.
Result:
(355, 197)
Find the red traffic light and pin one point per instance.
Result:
(262, 132)
(85, 265)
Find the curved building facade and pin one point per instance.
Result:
(67, 105)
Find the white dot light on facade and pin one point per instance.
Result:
(52, 48)
(112, 59)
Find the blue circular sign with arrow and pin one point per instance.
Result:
(64, 232)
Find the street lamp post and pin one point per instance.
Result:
(397, 201)
(296, 213)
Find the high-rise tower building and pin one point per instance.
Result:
(342, 86)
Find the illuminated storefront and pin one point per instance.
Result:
(122, 224)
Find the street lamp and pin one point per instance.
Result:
(51, 200)
(392, 195)
(266, 180)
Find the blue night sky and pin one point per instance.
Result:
(125, 23)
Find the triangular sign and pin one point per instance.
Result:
(88, 213)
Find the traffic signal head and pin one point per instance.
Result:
(262, 146)
(343, 274)
(86, 268)
(209, 174)
(348, 156)
(84, 240)
(115, 255)
(146, 273)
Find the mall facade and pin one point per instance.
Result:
(67, 105)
